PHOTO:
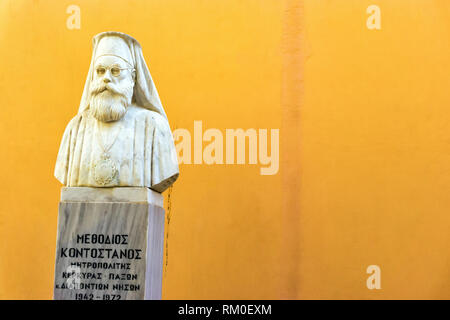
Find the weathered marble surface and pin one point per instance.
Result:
(124, 194)
(83, 232)
(121, 136)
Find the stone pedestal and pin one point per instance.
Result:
(110, 244)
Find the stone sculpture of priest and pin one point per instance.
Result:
(121, 136)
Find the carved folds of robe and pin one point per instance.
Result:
(143, 150)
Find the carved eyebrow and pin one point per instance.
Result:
(114, 65)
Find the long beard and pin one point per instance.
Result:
(111, 104)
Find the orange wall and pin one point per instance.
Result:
(374, 155)
(363, 125)
(214, 61)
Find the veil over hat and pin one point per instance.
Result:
(145, 94)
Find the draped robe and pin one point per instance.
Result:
(143, 151)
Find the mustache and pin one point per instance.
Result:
(102, 87)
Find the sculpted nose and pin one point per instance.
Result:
(106, 79)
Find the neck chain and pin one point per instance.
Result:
(105, 150)
(105, 169)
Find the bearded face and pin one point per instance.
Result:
(111, 91)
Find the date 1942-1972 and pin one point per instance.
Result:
(90, 296)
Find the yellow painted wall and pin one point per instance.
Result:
(364, 126)
(375, 150)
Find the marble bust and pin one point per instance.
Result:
(121, 136)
